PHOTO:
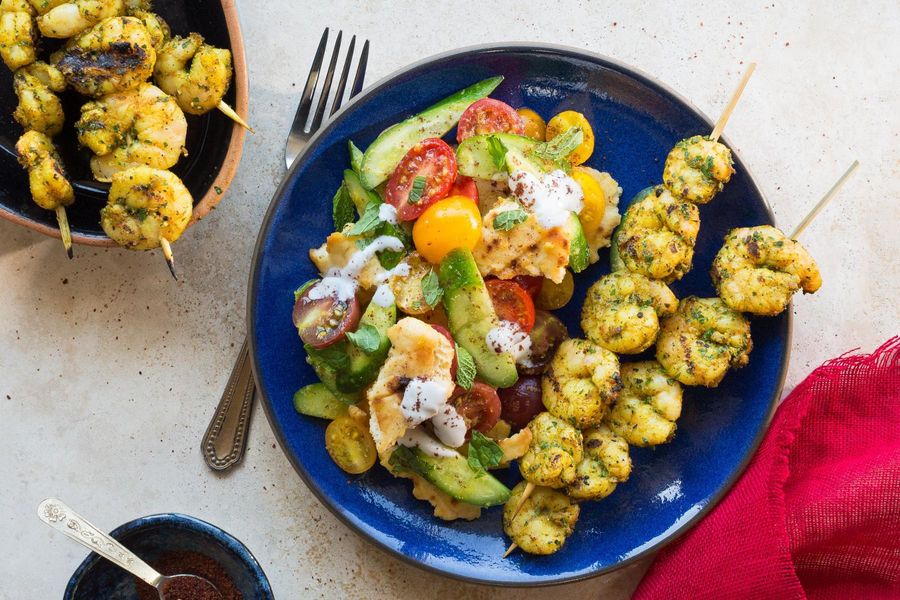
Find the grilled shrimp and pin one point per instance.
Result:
(697, 168)
(196, 74)
(581, 382)
(622, 310)
(145, 205)
(553, 454)
(657, 235)
(115, 55)
(648, 405)
(46, 174)
(758, 269)
(39, 108)
(67, 19)
(605, 464)
(543, 522)
(157, 28)
(702, 340)
(17, 35)
(143, 126)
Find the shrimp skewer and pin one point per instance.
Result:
(47, 179)
(147, 208)
(758, 269)
(197, 74)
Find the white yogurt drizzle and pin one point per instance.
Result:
(419, 438)
(387, 213)
(383, 294)
(341, 283)
(425, 400)
(551, 198)
(509, 337)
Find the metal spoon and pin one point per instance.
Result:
(57, 515)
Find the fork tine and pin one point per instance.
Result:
(326, 87)
(306, 99)
(342, 82)
(360, 71)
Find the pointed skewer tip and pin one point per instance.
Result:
(820, 205)
(167, 254)
(529, 489)
(729, 108)
(231, 114)
(510, 550)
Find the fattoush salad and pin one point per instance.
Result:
(431, 326)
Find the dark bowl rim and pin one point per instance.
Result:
(228, 541)
(538, 48)
(227, 169)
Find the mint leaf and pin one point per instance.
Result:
(484, 453)
(417, 189)
(403, 459)
(561, 146)
(335, 356)
(342, 209)
(431, 289)
(366, 338)
(509, 219)
(465, 370)
(369, 221)
(356, 156)
(497, 151)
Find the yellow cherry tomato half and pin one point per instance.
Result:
(555, 295)
(565, 121)
(453, 222)
(594, 200)
(535, 127)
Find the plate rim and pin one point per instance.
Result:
(277, 199)
(229, 164)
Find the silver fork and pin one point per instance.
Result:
(225, 439)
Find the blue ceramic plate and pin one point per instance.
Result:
(637, 120)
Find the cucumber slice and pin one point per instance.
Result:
(471, 316)
(475, 159)
(453, 476)
(363, 366)
(326, 368)
(579, 252)
(360, 195)
(355, 155)
(382, 156)
(316, 400)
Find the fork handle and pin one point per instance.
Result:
(225, 439)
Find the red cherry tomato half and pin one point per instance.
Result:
(432, 160)
(444, 332)
(464, 186)
(511, 302)
(530, 283)
(546, 336)
(489, 116)
(521, 402)
(324, 321)
(479, 407)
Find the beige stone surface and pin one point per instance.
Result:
(109, 370)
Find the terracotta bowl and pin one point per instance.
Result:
(214, 142)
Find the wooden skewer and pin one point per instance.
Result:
(720, 124)
(529, 488)
(167, 253)
(65, 231)
(825, 200)
(509, 550)
(231, 114)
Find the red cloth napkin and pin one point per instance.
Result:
(817, 513)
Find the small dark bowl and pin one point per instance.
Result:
(214, 142)
(153, 536)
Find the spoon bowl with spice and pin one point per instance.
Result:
(60, 517)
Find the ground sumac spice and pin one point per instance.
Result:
(190, 563)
